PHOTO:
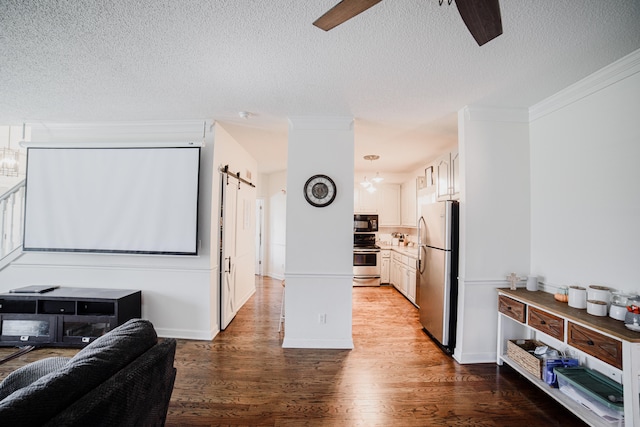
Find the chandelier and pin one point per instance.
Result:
(370, 185)
(9, 159)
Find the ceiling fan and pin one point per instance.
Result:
(482, 17)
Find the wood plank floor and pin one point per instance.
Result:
(395, 376)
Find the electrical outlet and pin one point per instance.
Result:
(322, 318)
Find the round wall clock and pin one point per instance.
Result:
(320, 191)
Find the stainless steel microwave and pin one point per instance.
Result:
(365, 223)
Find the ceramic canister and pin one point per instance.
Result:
(597, 308)
(577, 297)
(532, 283)
(617, 311)
(599, 293)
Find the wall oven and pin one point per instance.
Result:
(366, 260)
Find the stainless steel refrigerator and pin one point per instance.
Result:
(438, 271)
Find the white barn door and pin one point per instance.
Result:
(228, 220)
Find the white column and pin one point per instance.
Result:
(319, 242)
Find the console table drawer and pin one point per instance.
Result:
(547, 323)
(512, 308)
(607, 349)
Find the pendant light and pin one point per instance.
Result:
(369, 185)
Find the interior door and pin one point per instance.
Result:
(228, 216)
(259, 236)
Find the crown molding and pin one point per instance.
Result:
(143, 131)
(612, 73)
(321, 122)
(476, 113)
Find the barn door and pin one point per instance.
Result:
(228, 219)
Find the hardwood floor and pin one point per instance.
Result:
(395, 375)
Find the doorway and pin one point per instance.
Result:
(237, 244)
(260, 237)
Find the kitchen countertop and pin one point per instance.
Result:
(410, 251)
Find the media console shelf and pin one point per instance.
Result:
(601, 343)
(64, 317)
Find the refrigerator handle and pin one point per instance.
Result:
(422, 260)
(421, 225)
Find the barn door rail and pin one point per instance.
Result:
(225, 170)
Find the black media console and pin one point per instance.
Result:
(64, 317)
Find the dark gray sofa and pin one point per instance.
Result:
(123, 378)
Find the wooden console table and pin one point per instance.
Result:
(602, 343)
(64, 317)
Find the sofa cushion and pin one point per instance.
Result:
(27, 374)
(117, 348)
(52, 393)
(138, 395)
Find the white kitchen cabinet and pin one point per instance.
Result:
(389, 204)
(403, 274)
(409, 278)
(402, 279)
(411, 281)
(363, 201)
(385, 269)
(396, 271)
(393, 273)
(442, 168)
(385, 202)
(447, 175)
(408, 208)
(455, 175)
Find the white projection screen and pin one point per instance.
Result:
(112, 200)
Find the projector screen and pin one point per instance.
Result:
(112, 200)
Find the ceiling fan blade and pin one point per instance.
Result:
(482, 18)
(342, 12)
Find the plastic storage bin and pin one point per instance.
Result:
(600, 394)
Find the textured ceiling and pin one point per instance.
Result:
(402, 69)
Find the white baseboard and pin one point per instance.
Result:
(187, 334)
(346, 344)
(471, 358)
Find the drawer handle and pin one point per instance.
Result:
(542, 322)
(509, 307)
(590, 342)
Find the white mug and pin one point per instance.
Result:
(577, 297)
(532, 283)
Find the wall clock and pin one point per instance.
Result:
(320, 191)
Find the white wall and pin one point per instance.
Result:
(564, 184)
(179, 294)
(227, 151)
(585, 203)
(176, 291)
(494, 220)
(319, 260)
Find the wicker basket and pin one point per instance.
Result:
(528, 361)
